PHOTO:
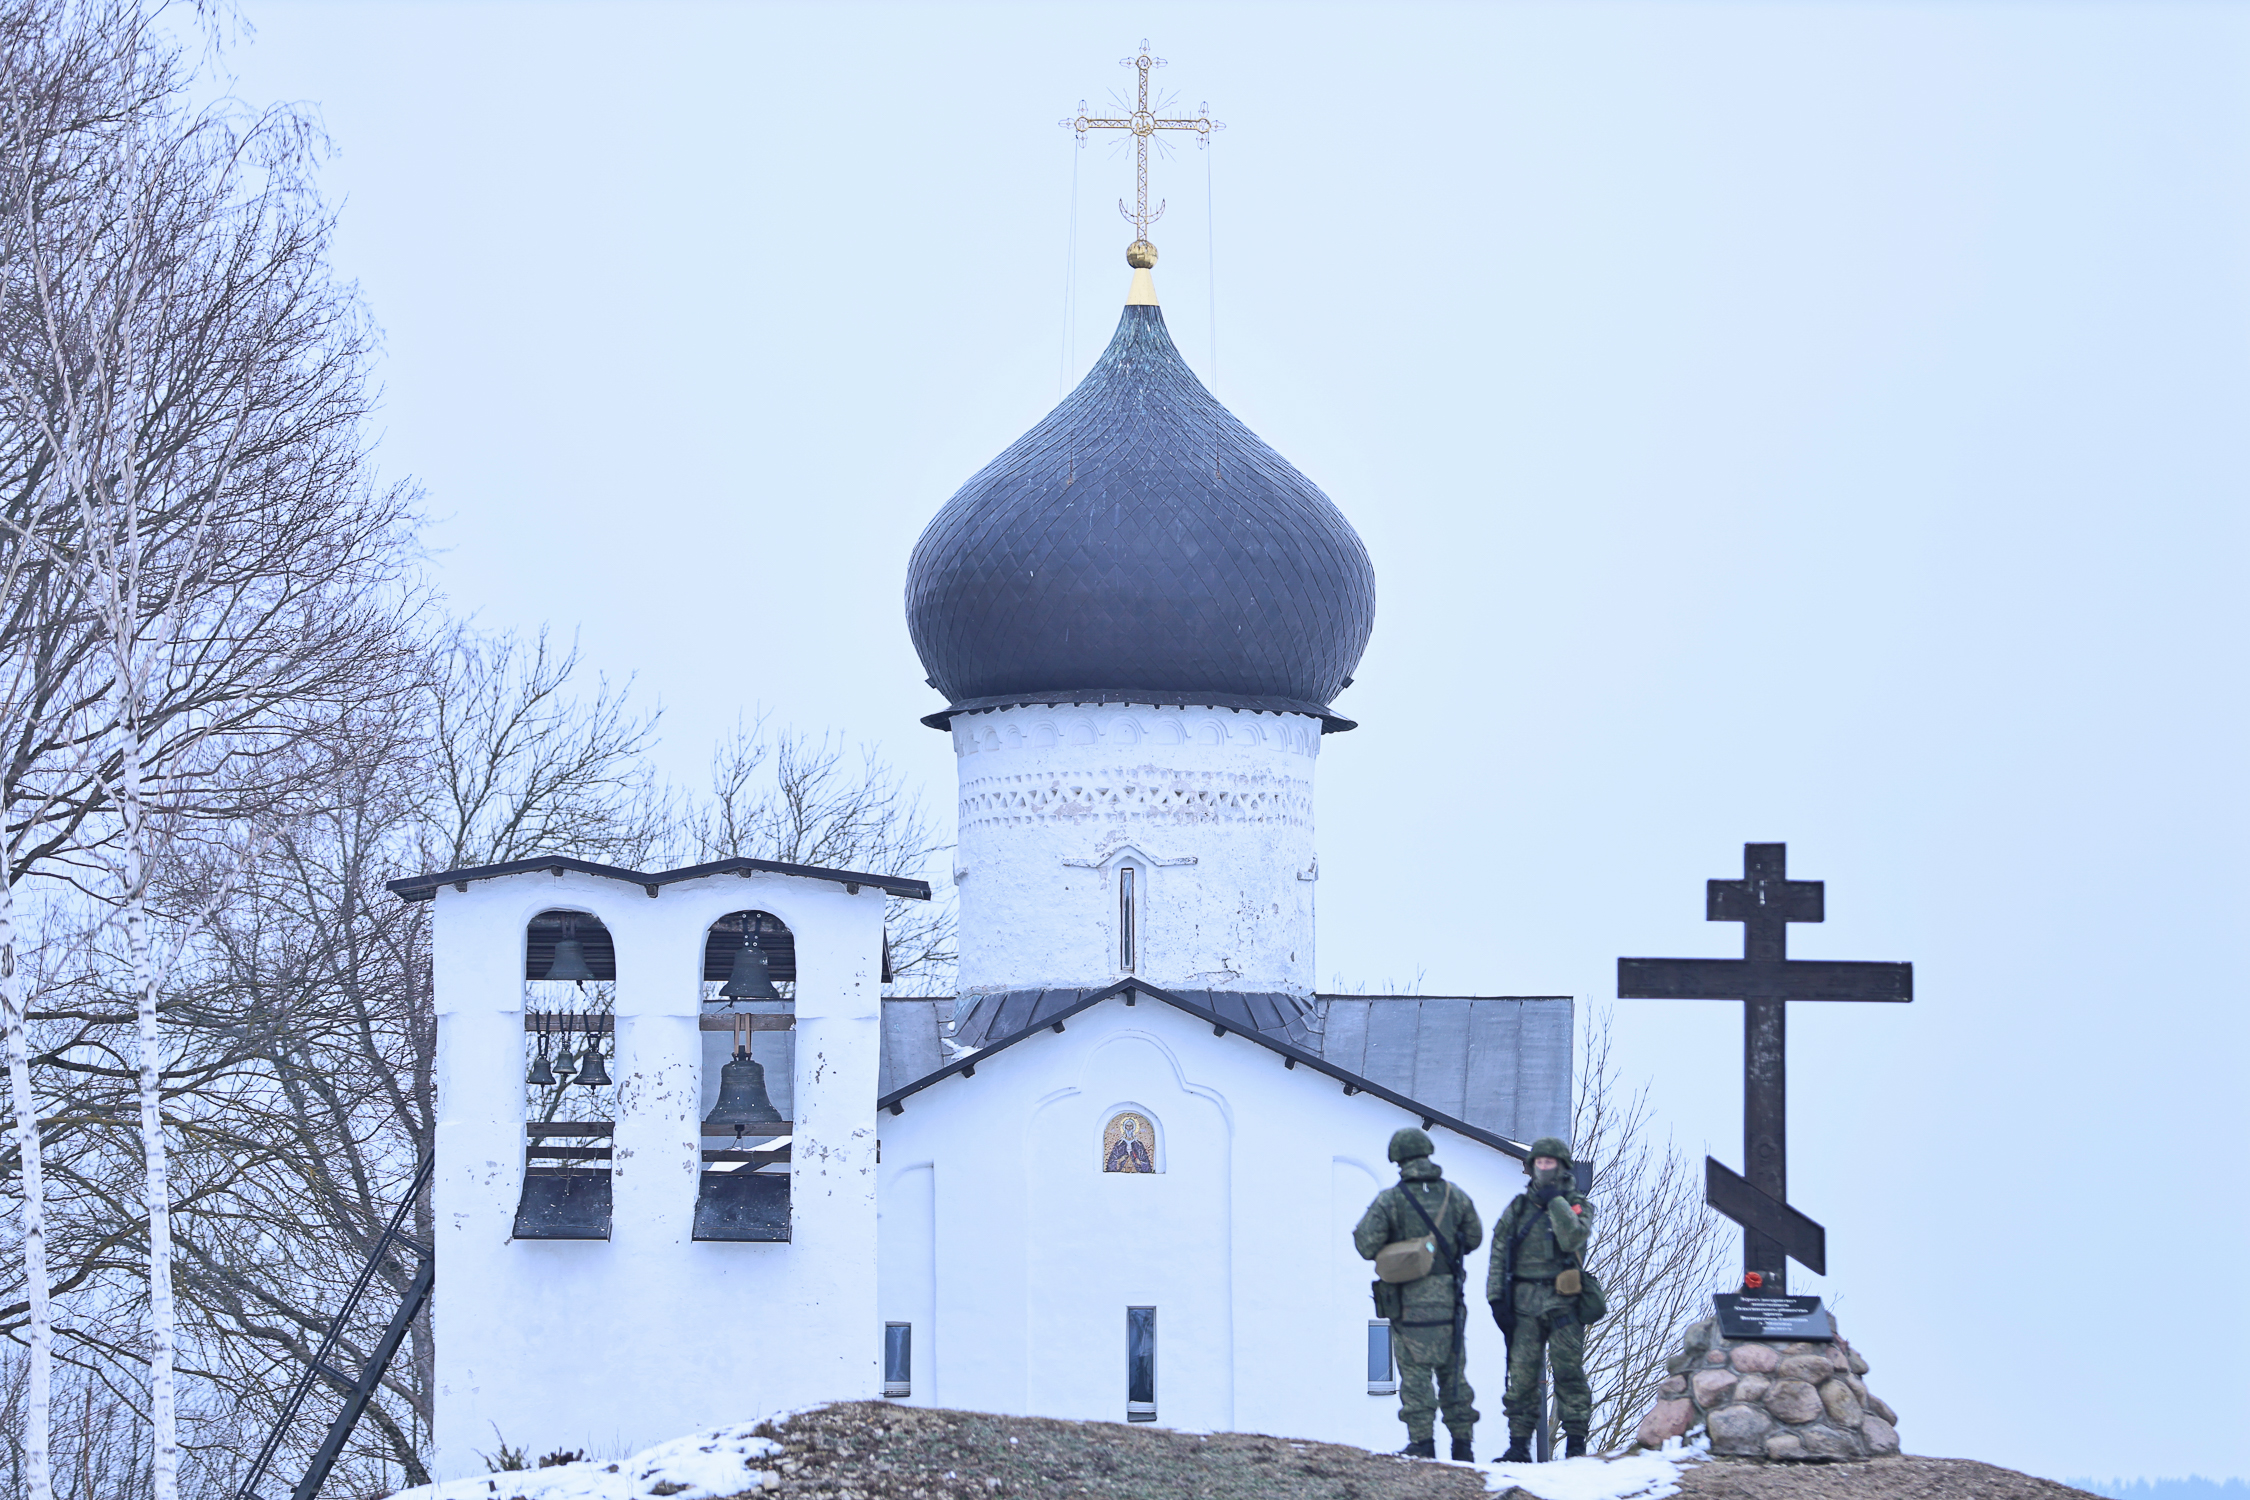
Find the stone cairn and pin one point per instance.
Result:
(1761, 1398)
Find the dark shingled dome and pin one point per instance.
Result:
(1140, 545)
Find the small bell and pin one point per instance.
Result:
(541, 1074)
(566, 1061)
(569, 962)
(591, 1073)
(751, 979)
(742, 1097)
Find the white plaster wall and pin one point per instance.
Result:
(1241, 1242)
(1214, 808)
(615, 1345)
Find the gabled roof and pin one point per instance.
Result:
(424, 887)
(1292, 1056)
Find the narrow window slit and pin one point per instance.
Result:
(1127, 938)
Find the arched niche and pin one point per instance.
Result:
(725, 939)
(569, 1076)
(743, 1188)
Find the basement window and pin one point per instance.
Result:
(1140, 1364)
(1382, 1372)
(898, 1359)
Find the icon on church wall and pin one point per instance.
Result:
(1129, 1144)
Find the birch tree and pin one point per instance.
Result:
(183, 385)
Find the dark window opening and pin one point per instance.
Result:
(1382, 1374)
(1140, 1364)
(898, 1359)
(1126, 935)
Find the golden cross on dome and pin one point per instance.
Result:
(1143, 122)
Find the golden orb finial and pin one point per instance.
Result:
(1140, 255)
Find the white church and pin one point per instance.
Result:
(693, 1166)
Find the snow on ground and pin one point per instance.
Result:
(722, 1461)
(1641, 1475)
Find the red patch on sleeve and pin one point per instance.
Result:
(1576, 1209)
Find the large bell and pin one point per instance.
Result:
(591, 1073)
(742, 1098)
(751, 980)
(569, 961)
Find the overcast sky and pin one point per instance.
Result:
(1820, 423)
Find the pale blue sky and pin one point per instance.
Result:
(1808, 422)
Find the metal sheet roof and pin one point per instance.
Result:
(980, 1019)
(1493, 1068)
(1502, 1062)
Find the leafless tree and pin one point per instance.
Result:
(308, 1012)
(781, 795)
(207, 576)
(208, 652)
(1659, 1251)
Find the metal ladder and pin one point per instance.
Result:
(356, 1392)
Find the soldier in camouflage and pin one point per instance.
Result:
(1427, 1333)
(1541, 1235)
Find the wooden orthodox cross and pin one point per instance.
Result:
(1765, 901)
(1143, 122)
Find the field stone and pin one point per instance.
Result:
(1666, 1420)
(1812, 1369)
(1793, 1401)
(1843, 1407)
(1739, 1429)
(1824, 1441)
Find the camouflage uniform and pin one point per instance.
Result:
(1425, 1337)
(1560, 1228)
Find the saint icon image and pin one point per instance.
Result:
(1128, 1145)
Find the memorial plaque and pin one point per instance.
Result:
(1746, 1315)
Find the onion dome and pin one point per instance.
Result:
(1140, 545)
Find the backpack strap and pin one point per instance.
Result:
(1445, 1246)
(1454, 1267)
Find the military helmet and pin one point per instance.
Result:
(1548, 1145)
(1410, 1143)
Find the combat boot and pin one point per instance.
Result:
(1421, 1448)
(1519, 1449)
(1574, 1445)
(1462, 1452)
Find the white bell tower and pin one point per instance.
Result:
(604, 1279)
